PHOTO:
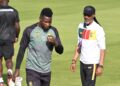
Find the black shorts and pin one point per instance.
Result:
(6, 49)
(87, 72)
(34, 78)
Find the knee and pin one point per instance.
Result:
(8, 61)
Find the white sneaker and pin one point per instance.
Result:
(1, 81)
(11, 83)
(18, 81)
(9, 73)
(9, 78)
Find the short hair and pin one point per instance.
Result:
(46, 12)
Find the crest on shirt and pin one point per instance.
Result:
(37, 34)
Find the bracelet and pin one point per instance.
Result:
(73, 61)
(100, 66)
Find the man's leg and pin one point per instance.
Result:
(82, 74)
(8, 52)
(45, 79)
(90, 75)
(9, 65)
(1, 70)
(32, 78)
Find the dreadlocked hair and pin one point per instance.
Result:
(95, 19)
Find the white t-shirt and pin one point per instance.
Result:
(92, 39)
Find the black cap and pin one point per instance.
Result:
(89, 11)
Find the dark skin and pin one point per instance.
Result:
(45, 23)
(17, 25)
(4, 2)
(9, 63)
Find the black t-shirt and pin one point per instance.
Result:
(8, 17)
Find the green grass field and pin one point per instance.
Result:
(67, 16)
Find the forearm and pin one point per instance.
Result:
(76, 55)
(19, 58)
(74, 59)
(17, 26)
(102, 57)
(17, 33)
(59, 49)
(58, 46)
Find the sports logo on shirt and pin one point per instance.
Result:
(87, 34)
(37, 34)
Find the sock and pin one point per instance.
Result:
(10, 72)
(1, 80)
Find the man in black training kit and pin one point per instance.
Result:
(9, 31)
(40, 39)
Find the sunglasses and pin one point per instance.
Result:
(85, 14)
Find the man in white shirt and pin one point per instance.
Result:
(91, 48)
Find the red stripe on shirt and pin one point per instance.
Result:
(86, 34)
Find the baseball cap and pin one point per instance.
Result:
(89, 11)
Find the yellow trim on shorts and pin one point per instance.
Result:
(94, 70)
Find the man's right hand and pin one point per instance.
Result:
(51, 39)
(16, 74)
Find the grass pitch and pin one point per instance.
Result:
(67, 16)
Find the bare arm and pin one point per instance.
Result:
(74, 59)
(17, 26)
(99, 70)
(102, 56)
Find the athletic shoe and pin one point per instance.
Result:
(1, 82)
